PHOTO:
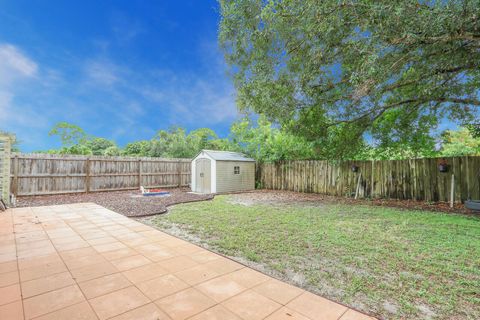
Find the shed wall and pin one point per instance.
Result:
(227, 181)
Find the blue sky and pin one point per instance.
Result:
(119, 69)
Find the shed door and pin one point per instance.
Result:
(202, 179)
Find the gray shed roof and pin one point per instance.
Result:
(227, 155)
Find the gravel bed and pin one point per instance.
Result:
(129, 203)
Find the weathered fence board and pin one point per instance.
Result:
(418, 179)
(42, 174)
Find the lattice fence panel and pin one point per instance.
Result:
(5, 154)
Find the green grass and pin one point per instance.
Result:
(390, 262)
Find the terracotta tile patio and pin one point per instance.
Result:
(82, 261)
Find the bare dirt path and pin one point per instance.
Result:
(272, 197)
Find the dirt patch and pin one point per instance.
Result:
(278, 197)
(128, 203)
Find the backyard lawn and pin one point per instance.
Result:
(389, 262)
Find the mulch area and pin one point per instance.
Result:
(286, 197)
(129, 203)
(132, 204)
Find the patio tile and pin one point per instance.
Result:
(93, 234)
(178, 263)
(12, 311)
(144, 273)
(121, 266)
(118, 302)
(251, 305)
(204, 256)
(8, 278)
(131, 262)
(73, 239)
(216, 313)
(71, 245)
(93, 271)
(76, 253)
(222, 266)
(147, 312)
(162, 286)
(312, 305)
(36, 252)
(109, 246)
(30, 236)
(185, 303)
(151, 232)
(10, 294)
(100, 286)
(188, 249)
(6, 257)
(80, 311)
(138, 241)
(52, 301)
(33, 244)
(247, 277)
(355, 315)
(39, 261)
(46, 284)
(8, 266)
(172, 242)
(102, 240)
(220, 289)
(156, 252)
(197, 274)
(117, 254)
(84, 261)
(8, 249)
(43, 270)
(278, 291)
(286, 314)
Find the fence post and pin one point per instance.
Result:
(15, 176)
(87, 175)
(5, 161)
(179, 173)
(372, 192)
(139, 173)
(452, 191)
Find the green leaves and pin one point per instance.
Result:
(70, 134)
(376, 69)
(460, 143)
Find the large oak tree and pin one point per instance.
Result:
(339, 71)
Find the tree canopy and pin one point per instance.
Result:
(460, 143)
(69, 134)
(336, 71)
(260, 139)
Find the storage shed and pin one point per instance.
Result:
(222, 171)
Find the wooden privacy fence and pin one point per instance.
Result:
(418, 179)
(41, 174)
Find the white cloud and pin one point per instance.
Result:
(102, 72)
(14, 65)
(5, 102)
(12, 115)
(202, 98)
(16, 69)
(136, 102)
